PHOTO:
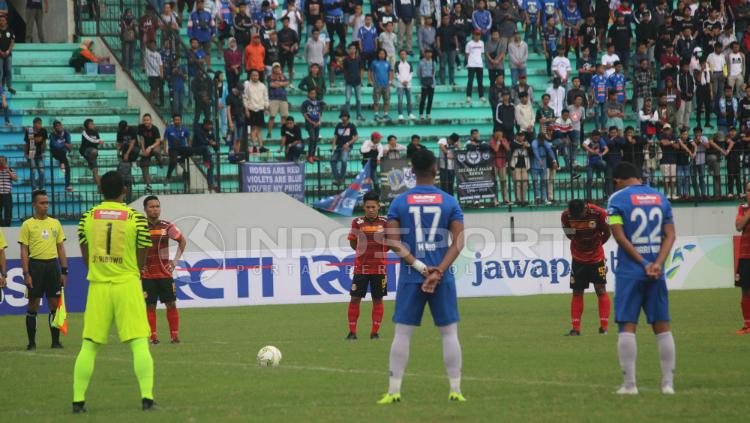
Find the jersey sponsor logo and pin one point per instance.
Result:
(158, 232)
(425, 199)
(645, 199)
(111, 215)
(554, 269)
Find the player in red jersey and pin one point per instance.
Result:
(157, 273)
(742, 275)
(368, 241)
(586, 227)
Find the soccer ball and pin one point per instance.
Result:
(269, 356)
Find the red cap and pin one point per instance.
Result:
(376, 136)
(477, 32)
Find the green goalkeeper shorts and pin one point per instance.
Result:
(121, 302)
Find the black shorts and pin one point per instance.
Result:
(257, 118)
(45, 279)
(160, 289)
(583, 274)
(377, 283)
(742, 277)
(286, 60)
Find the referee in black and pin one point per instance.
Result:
(45, 265)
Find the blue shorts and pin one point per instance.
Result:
(633, 294)
(410, 301)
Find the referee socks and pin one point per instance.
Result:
(31, 327)
(54, 332)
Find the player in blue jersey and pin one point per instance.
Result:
(641, 222)
(425, 229)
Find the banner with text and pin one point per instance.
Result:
(286, 177)
(299, 277)
(475, 176)
(396, 177)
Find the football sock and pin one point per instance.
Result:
(627, 351)
(665, 343)
(55, 332)
(143, 364)
(576, 311)
(353, 316)
(151, 314)
(452, 355)
(83, 369)
(399, 356)
(377, 317)
(31, 326)
(173, 317)
(604, 306)
(745, 303)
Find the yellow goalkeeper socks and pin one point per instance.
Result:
(143, 364)
(83, 369)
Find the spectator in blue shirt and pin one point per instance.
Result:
(380, 77)
(334, 17)
(178, 145)
(481, 19)
(59, 146)
(201, 26)
(368, 41)
(312, 111)
(616, 83)
(543, 158)
(177, 88)
(599, 95)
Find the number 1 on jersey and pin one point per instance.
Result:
(417, 213)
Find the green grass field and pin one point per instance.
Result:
(517, 368)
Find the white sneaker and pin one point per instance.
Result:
(667, 390)
(481, 99)
(468, 100)
(400, 118)
(412, 117)
(624, 390)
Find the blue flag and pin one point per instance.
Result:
(344, 202)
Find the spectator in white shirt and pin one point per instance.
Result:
(609, 59)
(561, 66)
(556, 97)
(403, 87)
(295, 16)
(372, 152)
(474, 52)
(716, 62)
(736, 63)
(525, 118)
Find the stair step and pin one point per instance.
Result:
(51, 70)
(71, 87)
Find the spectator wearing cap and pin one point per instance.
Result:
(474, 64)
(494, 54)
(404, 75)
(500, 147)
(372, 152)
(291, 140)
(518, 56)
(202, 26)
(380, 76)
(521, 87)
(414, 146)
(481, 20)
(256, 102)
(344, 137)
(426, 73)
(525, 118)
(312, 111)
(447, 162)
(277, 95)
(255, 56)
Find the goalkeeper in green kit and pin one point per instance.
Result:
(114, 239)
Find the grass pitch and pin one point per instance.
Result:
(517, 367)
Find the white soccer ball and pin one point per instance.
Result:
(269, 356)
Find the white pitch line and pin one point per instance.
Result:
(531, 382)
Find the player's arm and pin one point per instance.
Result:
(63, 259)
(140, 255)
(25, 265)
(654, 270)
(457, 244)
(567, 230)
(3, 269)
(605, 232)
(393, 241)
(85, 253)
(622, 240)
(742, 220)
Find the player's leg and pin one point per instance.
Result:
(132, 326)
(152, 296)
(358, 291)
(444, 308)
(745, 305)
(97, 320)
(600, 287)
(578, 283)
(656, 307)
(410, 302)
(378, 289)
(168, 296)
(742, 280)
(628, 299)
